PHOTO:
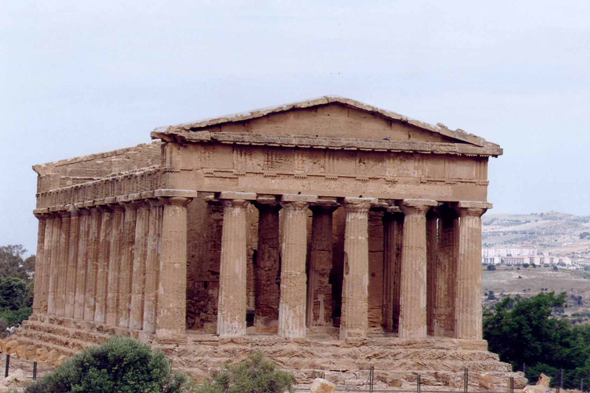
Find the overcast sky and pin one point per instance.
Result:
(82, 77)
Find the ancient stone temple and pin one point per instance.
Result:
(330, 234)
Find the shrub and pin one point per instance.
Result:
(491, 267)
(256, 374)
(120, 365)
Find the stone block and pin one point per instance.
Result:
(320, 385)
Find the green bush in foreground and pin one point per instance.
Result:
(120, 365)
(256, 374)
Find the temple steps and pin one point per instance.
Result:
(70, 333)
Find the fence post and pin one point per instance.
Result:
(558, 387)
(581, 384)
(524, 368)
(466, 381)
(511, 384)
(418, 380)
(371, 371)
(7, 366)
(34, 371)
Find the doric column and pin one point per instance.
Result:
(171, 312)
(294, 253)
(431, 256)
(104, 239)
(152, 265)
(126, 268)
(53, 269)
(392, 234)
(231, 313)
(62, 266)
(92, 264)
(139, 261)
(319, 289)
(84, 222)
(116, 241)
(355, 292)
(46, 267)
(42, 217)
(468, 314)
(412, 320)
(71, 273)
(445, 272)
(267, 269)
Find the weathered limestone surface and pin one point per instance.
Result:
(355, 292)
(267, 269)
(382, 269)
(231, 320)
(412, 320)
(293, 278)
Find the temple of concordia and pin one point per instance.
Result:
(332, 235)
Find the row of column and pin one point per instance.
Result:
(102, 263)
(432, 273)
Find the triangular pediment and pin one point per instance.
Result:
(329, 116)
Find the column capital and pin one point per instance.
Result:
(229, 195)
(358, 204)
(65, 214)
(297, 201)
(94, 211)
(175, 201)
(129, 205)
(104, 209)
(324, 205)
(235, 203)
(472, 208)
(141, 204)
(417, 206)
(41, 214)
(155, 202)
(267, 203)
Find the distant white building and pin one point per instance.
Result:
(521, 256)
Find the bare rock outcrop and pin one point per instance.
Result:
(320, 385)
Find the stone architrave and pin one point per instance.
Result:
(267, 269)
(231, 314)
(39, 261)
(106, 227)
(71, 274)
(355, 292)
(84, 220)
(171, 312)
(53, 270)
(92, 264)
(62, 265)
(126, 268)
(445, 271)
(319, 291)
(116, 242)
(152, 269)
(294, 253)
(468, 313)
(412, 319)
(139, 265)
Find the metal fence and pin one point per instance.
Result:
(7, 369)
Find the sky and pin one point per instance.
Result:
(82, 77)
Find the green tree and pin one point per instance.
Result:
(256, 374)
(13, 293)
(121, 365)
(12, 263)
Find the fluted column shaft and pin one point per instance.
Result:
(468, 313)
(171, 314)
(84, 221)
(445, 272)
(116, 241)
(139, 261)
(62, 266)
(231, 313)
(392, 241)
(319, 291)
(39, 262)
(70, 278)
(267, 271)
(355, 292)
(126, 268)
(46, 267)
(53, 270)
(293, 278)
(152, 272)
(92, 264)
(431, 278)
(412, 320)
(104, 238)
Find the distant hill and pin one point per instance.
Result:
(558, 233)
